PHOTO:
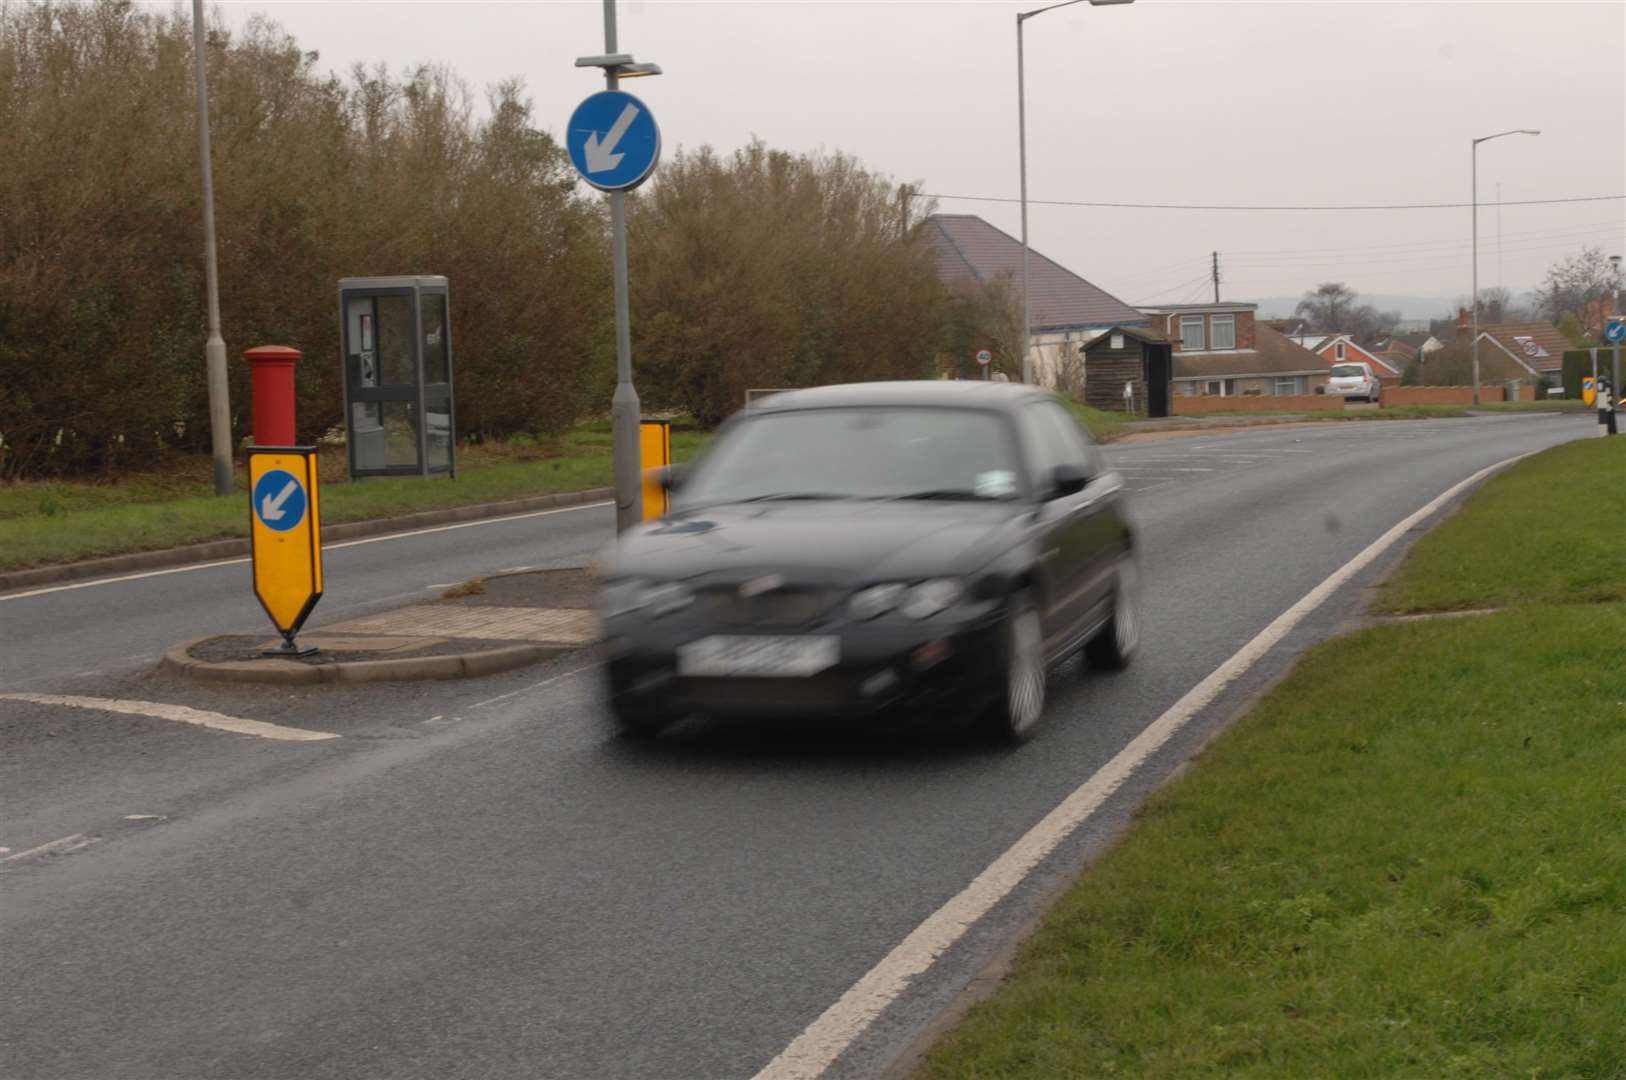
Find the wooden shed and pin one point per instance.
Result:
(1129, 354)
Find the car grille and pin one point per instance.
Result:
(781, 608)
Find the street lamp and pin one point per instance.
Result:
(1022, 138)
(214, 350)
(1473, 301)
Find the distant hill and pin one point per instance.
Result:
(1411, 308)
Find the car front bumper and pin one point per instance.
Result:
(953, 665)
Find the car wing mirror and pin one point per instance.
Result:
(1069, 479)
(672, 477)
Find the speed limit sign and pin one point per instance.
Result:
(984, 357)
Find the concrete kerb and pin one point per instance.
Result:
(178, 660)
(216, 550)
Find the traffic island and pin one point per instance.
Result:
(481, 627)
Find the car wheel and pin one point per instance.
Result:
(639, 723)
(1019, 705)
(1113, 646)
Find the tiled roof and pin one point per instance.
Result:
(970, 251)
(1535, 344)
(1272, 354)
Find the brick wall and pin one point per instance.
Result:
(1197, 406)
(1446, 395)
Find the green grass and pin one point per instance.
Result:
(1406, 863)
(55, 522)
(1549, 405)
(1102, 425)
(1552, 528)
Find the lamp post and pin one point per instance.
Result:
(1614, 263)
(625, 407)
(1022, 139)
(214, 350)
(1473, 301)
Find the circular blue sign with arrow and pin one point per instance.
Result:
(613, 140)
(1615, 331)
(279, 500)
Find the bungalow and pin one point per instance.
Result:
(1066, 310)
(1535, 346)
(1221, 349)
(1341, 348)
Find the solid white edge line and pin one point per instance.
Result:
(325, 547)
(841, 1024)
(181, 714)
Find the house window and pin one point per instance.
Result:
(1220, 388)
(1289, 384)
(1188, 389)
(1338, 350)
(1117, 341)
(1191, 333)
(1224, 331)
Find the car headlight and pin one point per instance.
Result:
(875, 601)
(929, 597)
(657, 597)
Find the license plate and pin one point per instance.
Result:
(759, 656)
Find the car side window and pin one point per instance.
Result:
(1042, 448)
(1068, 442)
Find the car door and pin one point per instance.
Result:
(1063, 520)
(1094, 531)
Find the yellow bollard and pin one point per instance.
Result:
(655, 454)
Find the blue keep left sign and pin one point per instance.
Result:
(613, 140)
(279, 500)
(1615, 331)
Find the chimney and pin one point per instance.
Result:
(1463, 329)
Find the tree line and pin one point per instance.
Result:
(752, 268)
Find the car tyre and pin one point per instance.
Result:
(1113, 646)
(1018, 707)
(639, 723)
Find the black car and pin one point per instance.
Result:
(847, 550)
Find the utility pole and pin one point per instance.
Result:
(214, 351)
(1614, 261)
(1216, 277)
(903, 210)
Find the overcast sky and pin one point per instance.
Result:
(1163, 101)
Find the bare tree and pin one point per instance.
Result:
(1574, 281)
(1326, 307)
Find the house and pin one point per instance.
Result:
(1341, 348)
(1221, 349)
(1066, 310)
(1135, 357)
(1535, 346)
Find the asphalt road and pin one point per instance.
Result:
(476, 880)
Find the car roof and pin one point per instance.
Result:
(943, 393)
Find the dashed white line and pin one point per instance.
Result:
(827, 1037)
(181, 714)
(59, 846)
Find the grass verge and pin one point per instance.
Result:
(1552, 529)
(54, 522)
(1102, 425)
(1405, 862)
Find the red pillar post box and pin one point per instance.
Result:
(273, 371)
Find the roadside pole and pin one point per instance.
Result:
(614, 144)
(214, 352)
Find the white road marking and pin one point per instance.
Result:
(534, 686)
(179, 713)
(54, 847)
(145, 817)
(1160, 469)
(833, 1032)
(325, 547)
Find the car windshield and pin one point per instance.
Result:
(1348, 371)
(859, 453)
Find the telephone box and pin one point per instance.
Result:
(396, 340)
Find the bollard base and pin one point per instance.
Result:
(289, 650)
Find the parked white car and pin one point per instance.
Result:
(1355, 380)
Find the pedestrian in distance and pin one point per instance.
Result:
(1606, 408)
